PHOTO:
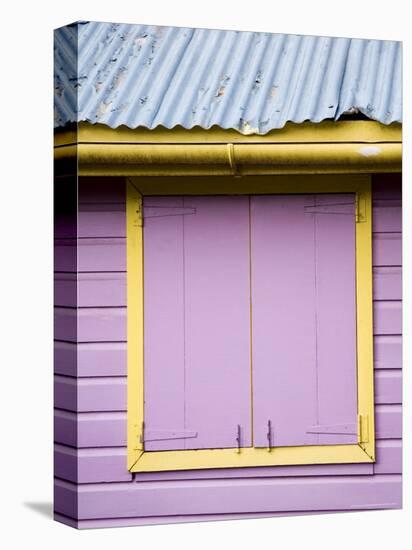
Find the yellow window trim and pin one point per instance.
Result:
(143, 461)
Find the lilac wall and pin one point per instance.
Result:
(90, 396)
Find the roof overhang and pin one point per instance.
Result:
(324, 148)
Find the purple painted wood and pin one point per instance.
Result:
(93, 255)
(93, 289)
(65, 324)
(90, 359)
(164, 347)
(303, 317)
(229, 496)
(388, 457)
(387, 317)
(90, 324)
(388, 352)
(102, 359)
(65, 255)
(260, 472)
(107, 464)
(387, 249)
(387, 219)
(388, 386)
(102, 435)
(101, 220)
(104, 190)
(197, 321)
(91, 465)
(388, 421)
(94, 220)
(104, 429)
(387, 186)
(65, 358)
(65, 428)
(387, 283)
(90, 394)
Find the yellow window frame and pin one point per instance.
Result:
(140, 460)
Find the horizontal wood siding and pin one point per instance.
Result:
(111, 500)
(93, 483)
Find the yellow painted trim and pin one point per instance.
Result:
(364, 451)
(230, 458)
(134, 323)
(328, 147)
(358, 131)
(365, 317)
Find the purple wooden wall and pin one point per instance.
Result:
(93, 487)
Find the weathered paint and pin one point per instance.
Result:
(142, 75)
(101, 436)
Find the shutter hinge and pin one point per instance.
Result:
(155, 211)
(165, 435)
(363, 428)
(269, 435)
(333, 429)
(360, 208)
(239, 438)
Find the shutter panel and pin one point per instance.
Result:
(303, 319)
(197, 322)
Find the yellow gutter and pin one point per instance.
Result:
(341, 147)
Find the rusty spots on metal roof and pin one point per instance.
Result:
(142, 75)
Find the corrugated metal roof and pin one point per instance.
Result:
(254, 82)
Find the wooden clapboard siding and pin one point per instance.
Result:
(388, 351)
(387, 283)
(222, 496)
(92, 359)
(95, 465)
(101, 429)
(91, 426)
(90, 289)
(90, 423)
(90, 324)
(388, 386)
(387, 249)
(90, 394)
(388, 457)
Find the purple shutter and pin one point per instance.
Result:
(197, 322)
(303, 319)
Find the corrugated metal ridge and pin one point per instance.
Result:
(254, 82)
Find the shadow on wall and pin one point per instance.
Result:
(45, 509)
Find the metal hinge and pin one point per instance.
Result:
(165, 435)
(239, 438)
(156, 211)
(335, 429)
(363, 428)
(269, 435)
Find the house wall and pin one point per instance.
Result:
(92, 485)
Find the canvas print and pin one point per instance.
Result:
(227, 274)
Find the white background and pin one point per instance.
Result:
(26, 268)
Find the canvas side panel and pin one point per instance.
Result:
(387, 279)
(91, 398)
